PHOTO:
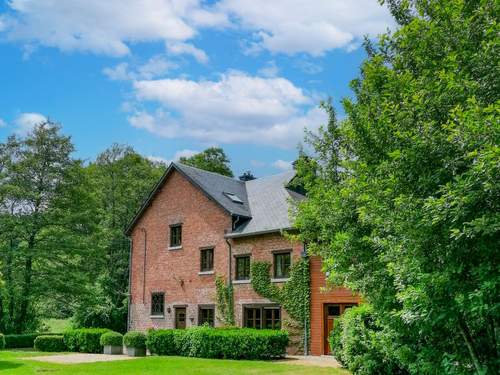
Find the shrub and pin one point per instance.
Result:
(234, 343)
(85, 340)
(50, 343)
(135, 340)
(356, 342)
(112, 338)
(25, 340)
(2, 341)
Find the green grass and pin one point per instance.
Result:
(14, 362)
(57, 325)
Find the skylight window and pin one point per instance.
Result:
(233, 197)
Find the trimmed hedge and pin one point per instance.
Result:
(2, 341)
(135, 340)
(112, 338)
(50, 343)
(234, 343)
(84, 340)
(25, 340)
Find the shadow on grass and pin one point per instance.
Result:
(6, 365)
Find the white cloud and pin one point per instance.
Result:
(2, 123)
(270, 70)
(25, 122)
(236, 108)
(155, 67)
(179, 154)
(179, 48)
(283, 165)
(106, 27)
(314, 27)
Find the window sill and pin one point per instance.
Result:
(157, 316)
(175, 247)
(242, 281)
(280, 280)
(206, 273)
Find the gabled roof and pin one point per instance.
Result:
(269, 201)
(262, 204)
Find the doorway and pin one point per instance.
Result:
(180, 317)
(332, 311)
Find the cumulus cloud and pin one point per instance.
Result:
(283, 165)
(25, 122)
(294, 26)
(179, 154)
(155, 67)
(236, 108)
(106, 27)
(180, 48)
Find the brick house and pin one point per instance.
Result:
(196, 225)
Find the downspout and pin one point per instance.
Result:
(144, 268)
(230, 281)
(129, 281)
(306, 304)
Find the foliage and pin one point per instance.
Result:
(135, 340)
(247, 176)
(294, 296)
(357, 342)
(206, 342)
(50, 343)
(225, 302)
(2, 341)
(84, 340)
(213, 159)
(111, 338)
(25, 340)
(404, 193)
(46, 215)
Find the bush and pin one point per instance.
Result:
(234, 343)
(135, 340)
(50, 343)
(84, 340)
(25, 340)
(2, 341)
(356, 342)
(112, 339)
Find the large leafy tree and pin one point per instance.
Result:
(45, 219)
(213, 159)
(121, 180)
(404, 194)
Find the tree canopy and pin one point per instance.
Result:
(213, 159)
(404, 193)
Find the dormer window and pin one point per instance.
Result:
(233, 197)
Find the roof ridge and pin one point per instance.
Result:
(205, 171)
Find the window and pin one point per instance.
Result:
(243, 267)
(207, 260)
(334, 310)
(268, 317)
(233, 197)
(157, 304)
(282, 263)
(176, 235)
(206, 315)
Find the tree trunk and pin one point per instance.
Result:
(26, 291)
(469, 342)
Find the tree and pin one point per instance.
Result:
(404, 194)
(213, 159)
(247, 176)
(45, 218)
(121, 180)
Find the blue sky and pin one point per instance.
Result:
(171, 77)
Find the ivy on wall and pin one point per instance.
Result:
(225, 301)
(294, 295)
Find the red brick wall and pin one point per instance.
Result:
(175, 272)
(321, 295)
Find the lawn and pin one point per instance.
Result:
(13, 362)
(57, 325)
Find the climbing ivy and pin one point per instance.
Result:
(294, 295)
(225, 301)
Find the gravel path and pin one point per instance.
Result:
(319, 361)
(79, 358)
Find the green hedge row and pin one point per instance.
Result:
(50, 343)
(235, 343)
(112, 338)
(26, 340)
(84, 340)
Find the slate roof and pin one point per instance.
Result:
(265, 206)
